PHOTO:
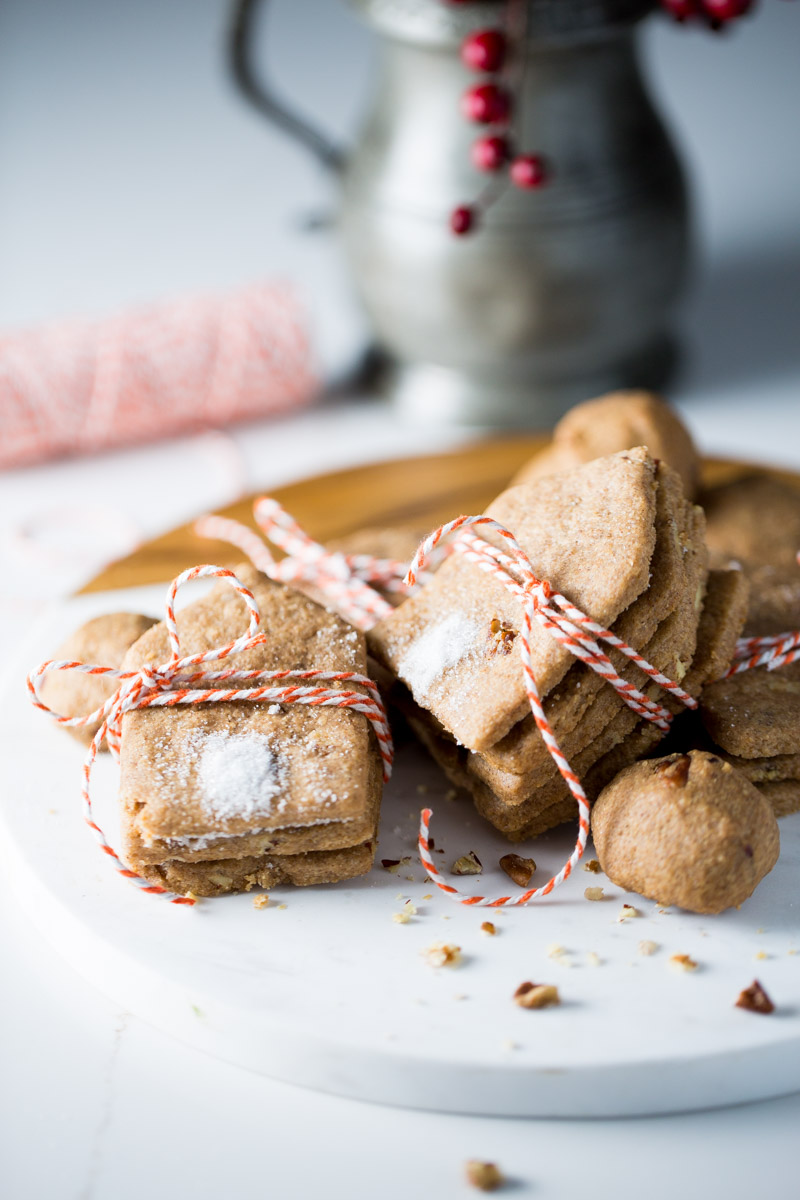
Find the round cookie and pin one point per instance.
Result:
(618, 421)
(687, 830)
(104, 642)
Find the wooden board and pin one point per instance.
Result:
(423, 491)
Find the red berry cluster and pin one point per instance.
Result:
(491, 103)
(714, 13)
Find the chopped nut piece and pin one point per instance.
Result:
(593, 866)
(755, 999)
(282, 906)
(488, 928)
(261, 901)
(762, 954)
(536, 995)
(450, 794)
(500, 637)
(594, 959)
(555, 951)
(428, 896)
(406, 913)
(593, 893)
(518, 869)
(393, 865)
(647, 948)
(484, 1176)
(627, 911)
(442, 954)
(467, 864)
(682, 962)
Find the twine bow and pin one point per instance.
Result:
(175, 682)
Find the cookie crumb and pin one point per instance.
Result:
(682, 962)
(282, 906)
(536, 995)
(593, 867)
(393, 865)
(406, 913)
(261, 901)
(593, 959)
(647, 948)
(467, 864)
(422, 789)
(627, 912)
(520, 870)
(450, 794)
(594, 893)
(488, 928)
(762, 954)
(442, 954)
(755, 999)
(428, 896)
(485, 1176)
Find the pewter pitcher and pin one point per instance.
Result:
(562, 293)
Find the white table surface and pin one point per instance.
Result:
(131, 170)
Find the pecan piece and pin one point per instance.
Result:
(517, 868)
(536, 995)
(500, 637)
(484, 1176)
(755, 999)
(467, 864)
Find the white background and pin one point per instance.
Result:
(129, 169)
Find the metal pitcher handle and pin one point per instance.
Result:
(258, 93)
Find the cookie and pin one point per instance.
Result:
(755, 714)
(686, 830)
(220, 877)
(774, 606)
(103, 642)
(754, 520)
(783, 796)
(778, 768)
(590, 532)
(618, 421)
(227, 778)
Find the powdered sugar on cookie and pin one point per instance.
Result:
(240, 776)
(439, 647)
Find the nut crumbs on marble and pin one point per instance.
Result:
(442, 954)
(594, 893)
(406, 913)
(261, 901)
(485, 1176)
(647, 948)
(536, 995)
(593, 867)
(593, 959)
(627, 912)
(488, 928)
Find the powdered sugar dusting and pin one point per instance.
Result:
(439, 647)
(240, 777)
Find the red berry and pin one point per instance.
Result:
(528, 171)
(484, 50)
(489, 153)
(681, 10)
(486, 104)
(462, 220)
(726, 10)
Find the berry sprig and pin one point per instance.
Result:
(713, 13)
(491, 103)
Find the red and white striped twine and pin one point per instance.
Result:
(174, 683)
(770, 652)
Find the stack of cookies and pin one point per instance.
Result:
(753, 719)
(619, 539)
(225, 796)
